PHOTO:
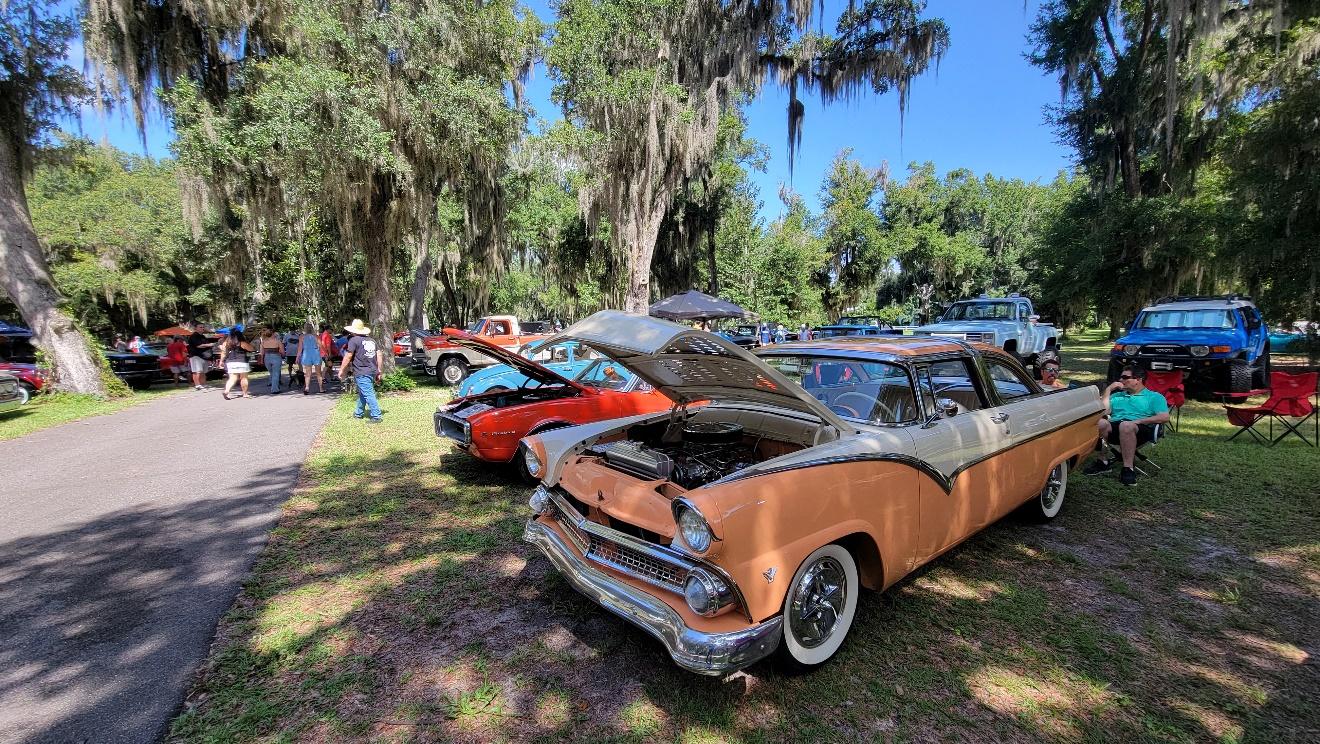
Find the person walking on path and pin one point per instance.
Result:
(135, 346)
(271, 356)
(309, 356)
(199, 353)
(327, 344)
(177, 355)
(365, 361)
(233, 351)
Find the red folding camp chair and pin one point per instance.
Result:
(1170, 385)
(1289, 404)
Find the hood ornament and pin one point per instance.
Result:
(769, 574)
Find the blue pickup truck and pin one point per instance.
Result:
(1220, 342)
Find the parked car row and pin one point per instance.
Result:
(735, 504)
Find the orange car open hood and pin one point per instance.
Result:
(688, 365)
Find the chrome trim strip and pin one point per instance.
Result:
(945, 482)
(715, 654)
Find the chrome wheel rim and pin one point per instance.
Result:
(1053, 491)
(452, 374)
(818, 602)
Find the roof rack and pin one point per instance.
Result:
(1227, 298)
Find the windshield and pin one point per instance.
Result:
(1217, 319)
(868, 391)
(981, 311)
(606, 374)
(475, 326)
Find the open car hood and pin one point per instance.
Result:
(527, 367)
(688, 365)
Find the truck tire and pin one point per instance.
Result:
(1238, 375)
(452, 370)
(1115, 369)
(1260, 378)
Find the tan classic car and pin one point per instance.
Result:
(750, 524)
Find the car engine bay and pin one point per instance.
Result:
(688, 453)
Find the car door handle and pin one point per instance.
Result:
(999, 418)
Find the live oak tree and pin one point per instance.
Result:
(645, 82)
(35, 87)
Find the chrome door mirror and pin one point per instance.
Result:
(946, 407)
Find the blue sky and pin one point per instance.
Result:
(982, 109)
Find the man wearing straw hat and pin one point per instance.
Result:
(365, 362)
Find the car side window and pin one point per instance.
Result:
(953, 379)
(1009, 384)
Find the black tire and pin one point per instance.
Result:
(27, 391)
(139, 384)
(1047, 504)
(451, 370)
(1115, 369)
(1238, 376)
(798, 652)
(1260, 378)
(520, 467)
(430, 371)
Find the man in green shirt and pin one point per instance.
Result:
(1133, 412)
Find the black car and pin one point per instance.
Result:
(138, 370)
(745, 336)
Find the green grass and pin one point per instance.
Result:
(45, 411)
(396, 602)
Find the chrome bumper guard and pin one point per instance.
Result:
(715, 654)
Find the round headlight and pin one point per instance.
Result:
(1131, 349)
(700, 597)
(1199, 350)
(531, 462)
(540, 501)
(694, 530)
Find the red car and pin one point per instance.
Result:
(489, 425)
(30, 379)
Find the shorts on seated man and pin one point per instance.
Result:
(1133, 411)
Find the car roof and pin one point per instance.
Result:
(894, 347)
(1200, 305)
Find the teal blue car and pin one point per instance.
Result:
(564, 357)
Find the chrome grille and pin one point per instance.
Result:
(632, 562)
(636, 563)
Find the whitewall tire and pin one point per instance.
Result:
(819, 608)
(1047, 504)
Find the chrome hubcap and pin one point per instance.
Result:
(818, 601)
(1049, 497)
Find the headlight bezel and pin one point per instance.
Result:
(532, 462)
(1199, 350)
(693, 529)
(1131, 349)
(713, 594)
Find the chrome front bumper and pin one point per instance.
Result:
(715, 654)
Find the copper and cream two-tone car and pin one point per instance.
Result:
(750, 524)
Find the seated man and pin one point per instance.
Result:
(1133, 413)
(1049, 375)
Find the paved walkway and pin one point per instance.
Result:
(123, 539)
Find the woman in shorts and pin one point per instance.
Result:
(309, 356)
(234, 353)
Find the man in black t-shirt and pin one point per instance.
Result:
(199, 348)
(364, 360)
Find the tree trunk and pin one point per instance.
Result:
(640, 237)
(710, 256)
(25, 277)
(421, 287)
(379, 255)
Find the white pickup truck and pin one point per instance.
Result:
(438, 357)
(1007, 322)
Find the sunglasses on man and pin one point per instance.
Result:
(1126, 377)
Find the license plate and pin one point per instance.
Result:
(1161, 366)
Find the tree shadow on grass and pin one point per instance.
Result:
(396, 599)
(103, 622)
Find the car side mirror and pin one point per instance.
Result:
(944, 408)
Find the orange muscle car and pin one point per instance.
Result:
(490, 425)
(748, 526)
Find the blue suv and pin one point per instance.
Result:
(1221, 343)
